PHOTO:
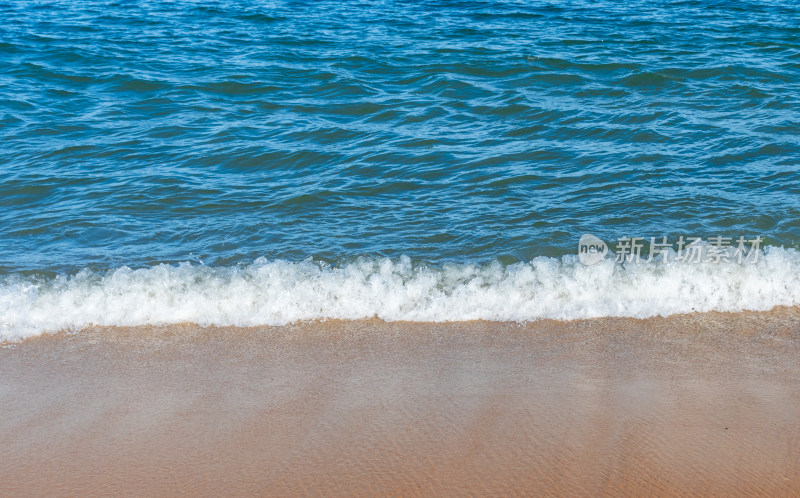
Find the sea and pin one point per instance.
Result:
(268, 162)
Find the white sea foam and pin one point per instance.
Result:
(280, 292)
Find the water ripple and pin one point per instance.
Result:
(138, 132)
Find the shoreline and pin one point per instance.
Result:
(687, 404)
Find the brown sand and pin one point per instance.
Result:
(697, 404)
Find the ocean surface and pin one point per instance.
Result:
(246, 163)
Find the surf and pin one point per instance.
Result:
(279, 292)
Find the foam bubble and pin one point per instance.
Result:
(279, 292)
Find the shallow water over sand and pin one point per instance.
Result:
(691, 404)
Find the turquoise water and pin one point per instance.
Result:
(452, 133)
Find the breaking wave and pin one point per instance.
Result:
(279, 292)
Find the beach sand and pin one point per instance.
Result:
(693, 404)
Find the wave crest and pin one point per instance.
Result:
(280, 292)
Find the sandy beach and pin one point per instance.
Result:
(483, 248)
(692, 404)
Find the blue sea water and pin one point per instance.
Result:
(262, 162)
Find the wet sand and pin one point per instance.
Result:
(696, 404)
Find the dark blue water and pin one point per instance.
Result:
(133, 133)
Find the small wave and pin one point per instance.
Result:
(280, 292)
